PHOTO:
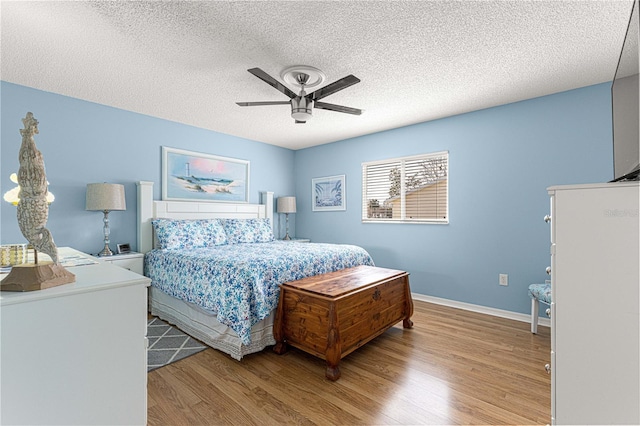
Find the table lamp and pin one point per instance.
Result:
(286, 205)
(105, 197)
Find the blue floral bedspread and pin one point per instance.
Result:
(239, 283)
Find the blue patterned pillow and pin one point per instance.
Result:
(186, 234)
(247, 230)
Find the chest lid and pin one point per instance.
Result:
(345, 281)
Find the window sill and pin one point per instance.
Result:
(409, 221)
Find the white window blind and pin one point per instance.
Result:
(408, 189)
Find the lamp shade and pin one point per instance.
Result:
(105, 197)
(286, 204)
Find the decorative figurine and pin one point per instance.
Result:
(33, 211)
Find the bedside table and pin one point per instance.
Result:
(132, 261)
(297, 240)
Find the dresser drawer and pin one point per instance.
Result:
(134, 262)
(134, 265)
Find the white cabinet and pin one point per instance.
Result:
(76, 353)
(595, 322)
(131, 261)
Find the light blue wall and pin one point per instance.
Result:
(501, 162)
(84, 142)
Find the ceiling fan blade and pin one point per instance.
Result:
(337, 108)
(272, 82)
(332, 88)
(264, 103)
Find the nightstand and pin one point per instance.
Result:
(132, 261)
(298, 240)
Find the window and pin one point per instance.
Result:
(409, 189)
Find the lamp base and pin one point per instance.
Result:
(36, 276)
(286, 236)
(106, 251)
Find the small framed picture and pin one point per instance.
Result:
(328, 193)
(124, 248)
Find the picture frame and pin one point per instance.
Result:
(124, 248)
(196, 176)
(328, 193)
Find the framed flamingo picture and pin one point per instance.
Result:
(328, 193)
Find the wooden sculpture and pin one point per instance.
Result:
(33, 211)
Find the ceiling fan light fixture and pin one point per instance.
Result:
(301, 108)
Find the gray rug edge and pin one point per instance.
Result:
(166, 355)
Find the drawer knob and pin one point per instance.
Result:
(547, 218)
(548, 270)
(547, 368)
(548, 312)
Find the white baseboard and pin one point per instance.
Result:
(544, 322)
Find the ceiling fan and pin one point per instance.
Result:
(302, 104)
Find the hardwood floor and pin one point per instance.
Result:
(453, 367)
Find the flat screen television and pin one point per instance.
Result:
(625, 103)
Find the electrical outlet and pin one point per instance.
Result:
(503, 279)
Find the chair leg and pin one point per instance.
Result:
(534, 315)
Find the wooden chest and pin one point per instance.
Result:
(331, 315)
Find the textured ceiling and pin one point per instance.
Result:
(418, 61)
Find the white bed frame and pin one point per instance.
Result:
(148, 209)
(186, 316)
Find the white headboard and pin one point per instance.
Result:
(148, 209)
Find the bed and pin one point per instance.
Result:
(215, 268)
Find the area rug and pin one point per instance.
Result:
(167, 344)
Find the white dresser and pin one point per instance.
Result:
(77, 353)
(595, 322)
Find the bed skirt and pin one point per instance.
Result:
(206, 328)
